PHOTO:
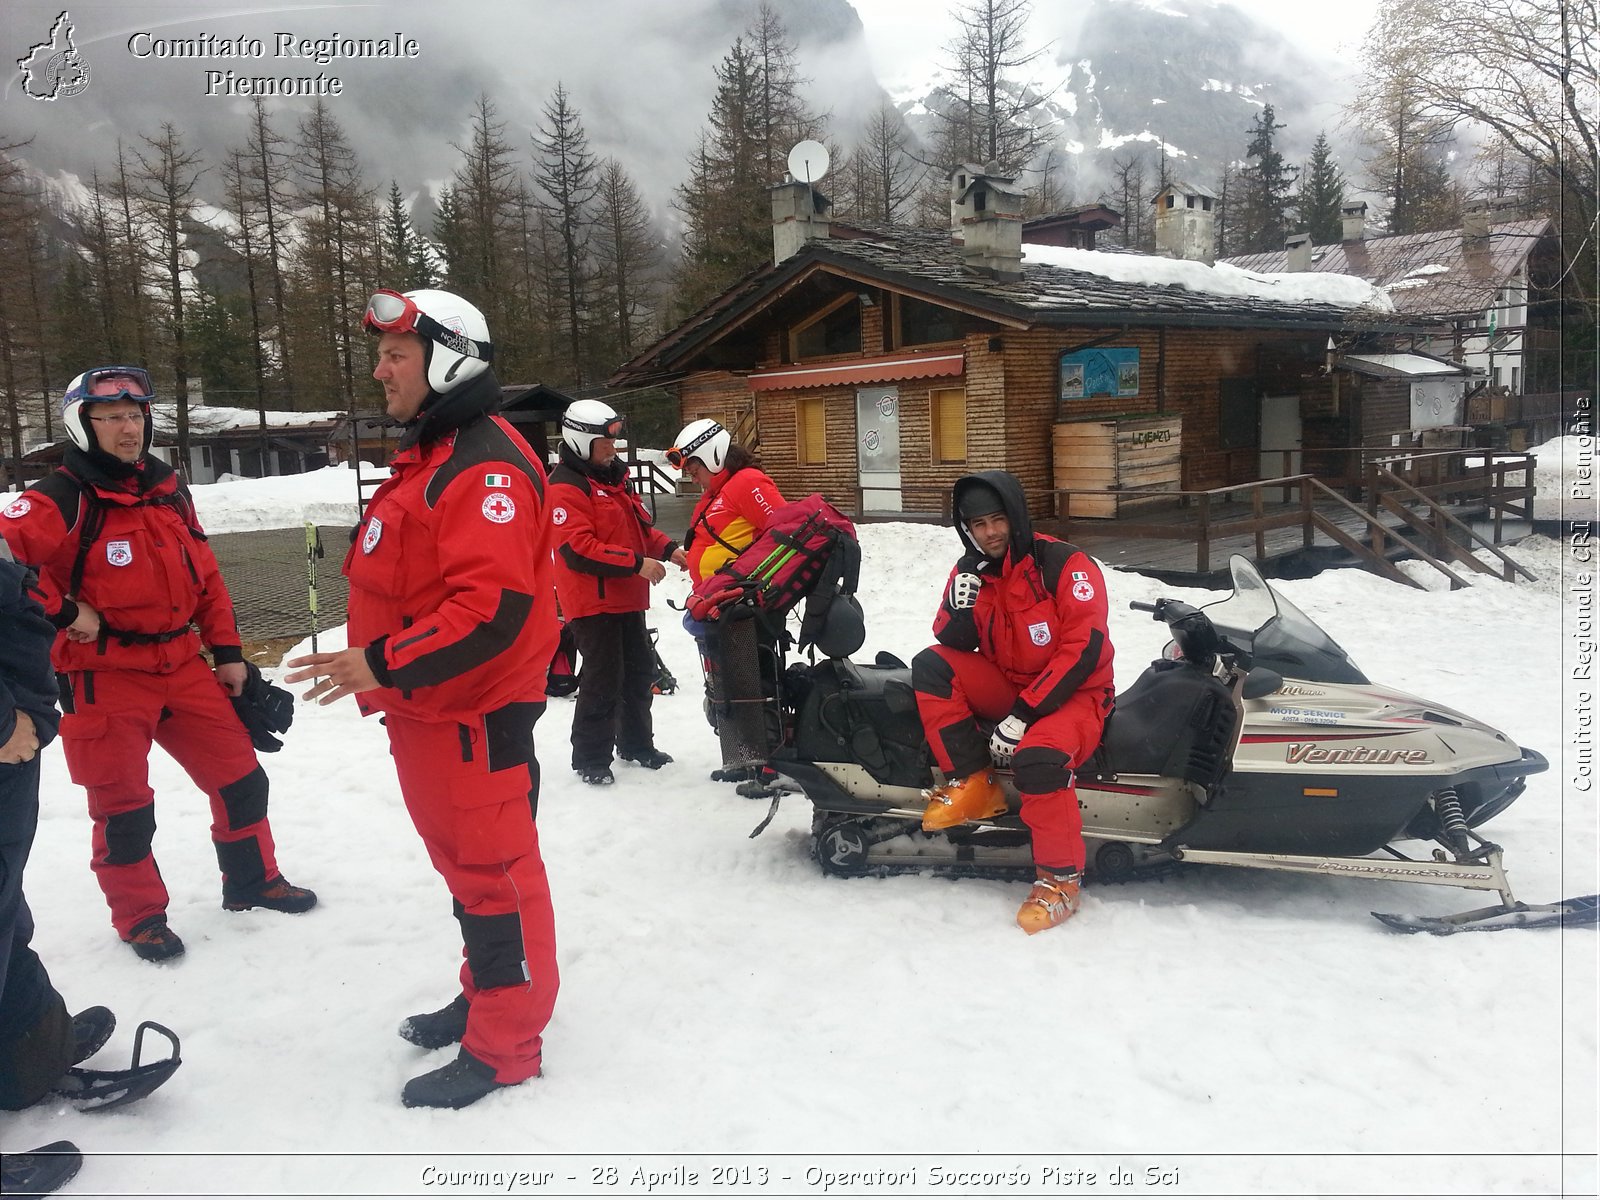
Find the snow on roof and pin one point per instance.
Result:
(1294, 287)
(210, 418)
(1406, 364)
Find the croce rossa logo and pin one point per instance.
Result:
(54, 68)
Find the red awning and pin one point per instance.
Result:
(874, 370)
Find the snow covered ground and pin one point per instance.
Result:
(724, 1004)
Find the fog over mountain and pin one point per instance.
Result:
(641, 75)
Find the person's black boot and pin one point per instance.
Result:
(90, 1030)
(277, 894)
(454, 1085)
(650, 759)
(435, 1030)
(39, 1172)
(153, 941)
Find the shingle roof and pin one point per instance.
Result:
(1438, 274)
(928, 263)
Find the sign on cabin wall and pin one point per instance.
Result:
(1102, 371)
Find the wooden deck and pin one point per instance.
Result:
(1175, 559)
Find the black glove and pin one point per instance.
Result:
(264, 709)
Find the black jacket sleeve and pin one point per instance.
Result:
(26, 680)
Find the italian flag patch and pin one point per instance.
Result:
(497, 481)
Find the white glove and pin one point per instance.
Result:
(1003, 741)
(964, 590)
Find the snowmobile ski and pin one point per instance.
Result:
(100, 1091)
(1580, 912)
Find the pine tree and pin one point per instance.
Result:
(1321, 195)
(236, 179)
(885, 175)
(757, 114)
(329, 268)
(985, 106)
(269, 190)
(626, 251)
(1265, 185)
(1127, 196)
(409, 266)
(566, 172)
(165, 186)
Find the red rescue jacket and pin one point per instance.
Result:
(602, 535)
(1041, 615)
(451, 587)
(735, 507)
(148, 569)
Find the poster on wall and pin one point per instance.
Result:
(1099, 372)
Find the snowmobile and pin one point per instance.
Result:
(1254, 741)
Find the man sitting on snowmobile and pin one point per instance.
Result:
(1024, 648)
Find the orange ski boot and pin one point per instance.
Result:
(968, 799)
(1054, 898)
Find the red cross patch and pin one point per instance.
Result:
(498, 507)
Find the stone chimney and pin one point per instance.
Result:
(800, 214)
(1505, 208)
(1186, 222)
(1354, 217)
(1475, 222)
(986, 218)
(1297, 252)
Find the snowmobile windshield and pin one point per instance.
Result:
(1271, 632)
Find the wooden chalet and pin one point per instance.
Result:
(878, 364)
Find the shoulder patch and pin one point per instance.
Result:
(20, 507)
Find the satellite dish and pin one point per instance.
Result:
(808, 161)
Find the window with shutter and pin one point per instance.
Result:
(812, 435)
(948, 412)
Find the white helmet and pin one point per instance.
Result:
(455, 337)
(586, 420)
(703, 439)
(102, 385)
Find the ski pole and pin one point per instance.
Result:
(313, 552)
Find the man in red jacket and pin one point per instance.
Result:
(1021, 678)
(452, 624)
(126, 574)
(607, 555)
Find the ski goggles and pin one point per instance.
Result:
(112, 383)
(607, 429)
(678, 457)
(391, 312)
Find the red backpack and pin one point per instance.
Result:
(808, 547)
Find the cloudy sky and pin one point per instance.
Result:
(639, 71)
(901, 34)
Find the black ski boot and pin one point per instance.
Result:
(651, 759)
(435, 1030)
(90, 1030)
(39, 1172)
(596, 776)
(153, 940)
(454, 1085)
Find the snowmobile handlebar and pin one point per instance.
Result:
(1191, 629)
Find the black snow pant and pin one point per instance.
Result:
(617, 668)
(35, 1028)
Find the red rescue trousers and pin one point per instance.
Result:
(476, 818)
(1042, 768)
(114, 717)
